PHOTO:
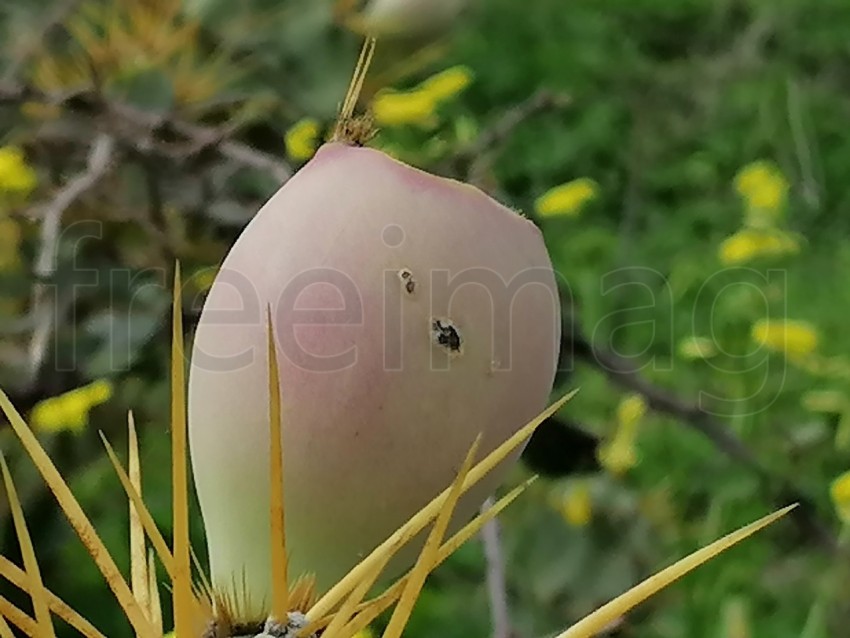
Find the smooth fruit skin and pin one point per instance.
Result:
(394, 18)
(388, 373)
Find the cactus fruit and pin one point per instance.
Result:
(411, 312)
(402, 18)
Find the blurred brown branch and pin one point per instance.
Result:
(539, 102)
(44, 310)
(475, 159)
(147, 131)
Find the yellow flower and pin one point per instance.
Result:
(70, 411)
(793, 338)
(16, 176)
(840, 493)
(764, 189)
(693, 348)
(750, 243)
(400, 108)
(98, 392)
(619, 455)
(631, 411)
(576, 505)
(418, 106)
(47, 415)
(10, 241)
(302, 139)
(825, 401)
(567, 199)
(447, 84)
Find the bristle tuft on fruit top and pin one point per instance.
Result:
(356, 130)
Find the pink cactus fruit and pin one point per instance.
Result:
(411, 313)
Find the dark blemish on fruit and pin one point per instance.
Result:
(446, 334)
(406, 277)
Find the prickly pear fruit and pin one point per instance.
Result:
(411, 313)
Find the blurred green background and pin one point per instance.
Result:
(686, 160)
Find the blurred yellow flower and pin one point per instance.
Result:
(567, 199)
(824, 401)
(10, 241)
(418, 106)
(70, 411)
(16, 176)
(840, 493)
(694, 348)
(764, 189)
(576, 505)
(447, 84)
(302, 139)
(400, 108)
(620, 453)
(751, 243)
(631, 411)
(98, 391)
(793, 338)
